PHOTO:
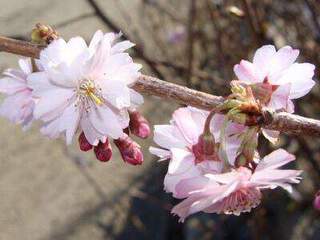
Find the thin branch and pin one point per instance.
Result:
(284, 122)
(190, 46)
(172, 14)
(74, 20)
(20, 47)
(251, 20)
(314, 16)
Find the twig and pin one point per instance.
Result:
(173, 15)
(190, 46)
(314, 16)
(73, 20)
(284, 122)
(251, 19)
(20, 47)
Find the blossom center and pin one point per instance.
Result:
(263, 91)
(242, 200)
(205, 149)
(88, 91)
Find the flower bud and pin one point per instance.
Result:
(205, 149)
(103, 151)
(139, 126)
(316, 201)
(247, 149)
(84, 143)
(43, 34)
(130, 150)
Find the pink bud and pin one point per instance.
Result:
(130, 150)
(84, 143)
(139, 126)
(205, 149)
(103, 151)
(316, 201)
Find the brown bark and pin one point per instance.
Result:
(284, 122)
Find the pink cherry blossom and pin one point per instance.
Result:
(18, 105)
(86, 88)
(178, 141)
(276, 76)
(276, 79)
(316, 201)
(236, 191)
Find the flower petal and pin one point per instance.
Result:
(105, 121)
(261, 59)
(300, 76)
(284, 57)
(275, 159)
(181, 161)
(280, 97)
(272, 136)
(163, 154)
(92, 135)
(167, 137)
(186, 124)
(246, 72)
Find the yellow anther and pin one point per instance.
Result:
(95, 98)
(89, 89)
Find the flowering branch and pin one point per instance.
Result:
(280, 121)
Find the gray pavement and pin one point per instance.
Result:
(44, 193)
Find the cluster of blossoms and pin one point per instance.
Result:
(75, 88)
(214, 164)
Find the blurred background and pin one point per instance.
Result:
(51, 192)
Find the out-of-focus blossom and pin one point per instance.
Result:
(18, 106)
(275, 78)
(85, 87)
(177, 35)
(234, 10)
(130, 151)
(316, 201)
(138, 125)
(182, 142)
(236, 191)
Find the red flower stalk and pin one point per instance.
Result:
(205, 148)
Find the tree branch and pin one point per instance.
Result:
(284, 122)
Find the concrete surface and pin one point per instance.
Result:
(44, 193)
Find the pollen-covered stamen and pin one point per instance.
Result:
(240, 201)
(89, 92)
(205, 149)
(243, 199)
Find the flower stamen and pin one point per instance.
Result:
(88, 89)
